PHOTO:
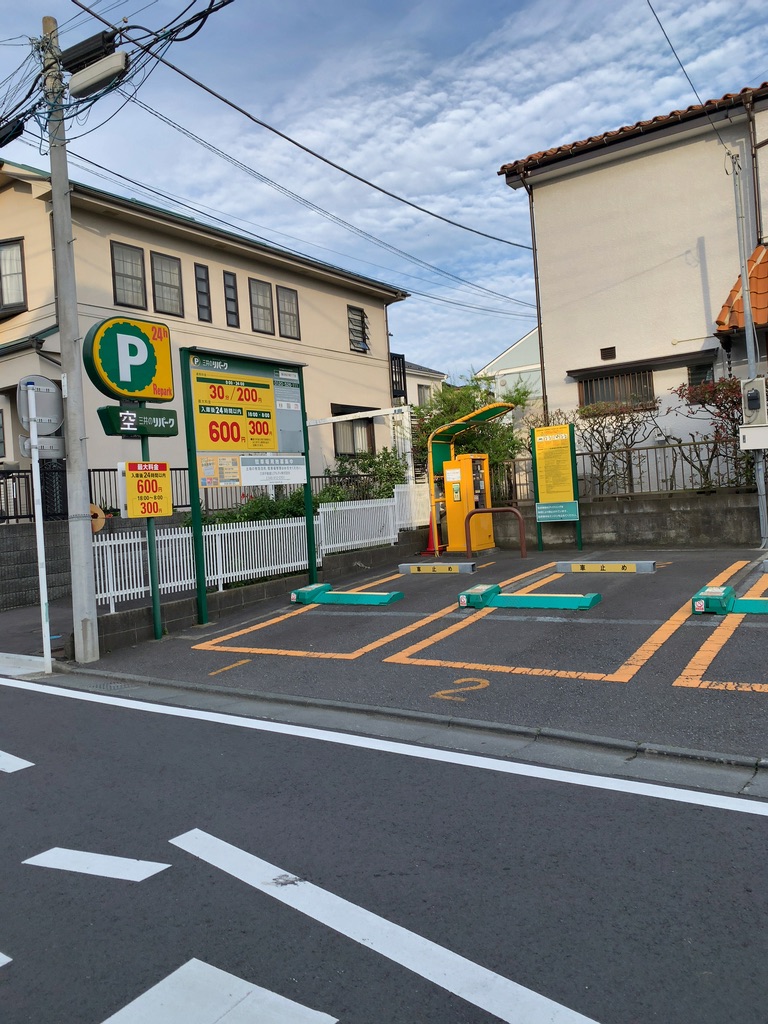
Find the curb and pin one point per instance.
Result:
(630, 748)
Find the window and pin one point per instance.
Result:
(358, 329)
(128, 276)
(166, 284)
(203, 293)
(13, 298)
(2, 436)
(635, 389)
(262, 314)
(424, 392)
(352, 436)
(701, 374)
(230, 299)
(288, 312)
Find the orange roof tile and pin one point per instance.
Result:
(731, 316)
(557, 153)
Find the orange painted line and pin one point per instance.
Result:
(226, 668)
(375, 583)
(623, 674)
(539, 583)
(221, 643)
(693, 673)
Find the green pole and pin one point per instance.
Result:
(194, 489)
(575, 478)
(535, 467)
(154, 586)
(309, 509)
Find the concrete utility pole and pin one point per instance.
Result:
(750, 335)
(84, 612)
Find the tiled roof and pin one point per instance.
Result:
(731, 316)
(570, 149)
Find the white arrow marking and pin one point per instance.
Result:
(477, 985)
(96, 864)
(200, 994)
(10, 763)
(4, 959)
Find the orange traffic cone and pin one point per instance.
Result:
(430, 548)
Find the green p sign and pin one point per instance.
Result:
(128, 358)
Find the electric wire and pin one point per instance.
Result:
(306, 149)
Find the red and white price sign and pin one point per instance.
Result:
(148, 489)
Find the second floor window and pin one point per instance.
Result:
(358, 329)
(262, 314)
(166, 284)
(12, 291)
(203, 293)
(230, 299)
(128, 280)
(288, 312)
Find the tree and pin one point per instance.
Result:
(497, 439)
(715, 405)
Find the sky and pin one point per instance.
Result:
(425, 99)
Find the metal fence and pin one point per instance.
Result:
(235, 552)
(696, 466)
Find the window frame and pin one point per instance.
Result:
(255, 283)
(281, 293)
(231, 299)
(203, 294)
(155, 259)
(363, 344)
(8, 309)
(114, 246)
(592, 389)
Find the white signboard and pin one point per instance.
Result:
(49, 405)
(47, 447)
(272, 469)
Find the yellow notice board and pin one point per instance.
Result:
(233, 413)
(148, 489)
(553, 461)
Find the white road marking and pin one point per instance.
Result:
(718, 801)
(200, 994)
(4, 959)
(10, 763)
(477, 985)
(96, 864)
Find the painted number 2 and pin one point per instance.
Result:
(479, 684)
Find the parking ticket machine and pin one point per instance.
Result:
(467, 485)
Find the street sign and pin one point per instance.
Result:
(47, 448)
(148, 489)
(129, 421)
(49, 405)
(128, 358)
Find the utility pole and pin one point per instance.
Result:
(750, 335)
(84, 614)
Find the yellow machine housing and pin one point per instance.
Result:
(467, 484)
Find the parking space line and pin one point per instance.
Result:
(693, 673)
(222, 644)
(624, 674)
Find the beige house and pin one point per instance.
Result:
(212, 288)
(636, 247)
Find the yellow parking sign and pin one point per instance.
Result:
(148, 490)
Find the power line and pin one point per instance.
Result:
(112, 175)
(301, 146)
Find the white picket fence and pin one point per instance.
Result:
(241, 551)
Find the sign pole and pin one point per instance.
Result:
(194, 488)
(41, 569)
(309, 508)
(154, 586)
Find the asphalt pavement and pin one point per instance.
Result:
(635, 674)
